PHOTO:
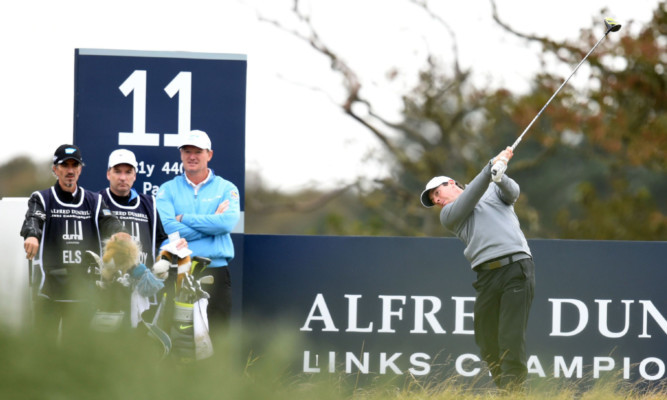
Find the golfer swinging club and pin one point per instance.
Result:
(482, 216)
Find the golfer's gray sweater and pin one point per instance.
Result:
(483, 218)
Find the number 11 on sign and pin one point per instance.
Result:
(136, 84)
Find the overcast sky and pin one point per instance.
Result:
(295, 136)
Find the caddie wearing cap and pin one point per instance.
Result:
(61, 224)
(140, 218)
(482, 216)
(137, 212)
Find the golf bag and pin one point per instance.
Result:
(188, 325)
(124, 289)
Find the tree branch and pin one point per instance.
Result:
(455, 49)
(546, 42)
(351, 80)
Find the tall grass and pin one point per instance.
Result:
(251, 363)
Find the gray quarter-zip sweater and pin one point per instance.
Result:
(483, 218)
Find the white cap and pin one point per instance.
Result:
(197, 138)
(122, 156)
(432, 184)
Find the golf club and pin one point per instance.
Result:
(498, 167)
(207, 280)
(31, 293)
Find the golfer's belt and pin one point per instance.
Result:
(501, 262)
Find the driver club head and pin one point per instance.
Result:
(612, 25)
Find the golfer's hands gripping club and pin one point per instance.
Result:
(500, 164)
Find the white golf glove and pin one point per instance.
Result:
(498, 169)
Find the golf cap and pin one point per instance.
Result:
(122, 156)
(197, 138)
(67, 152)
(432, 184)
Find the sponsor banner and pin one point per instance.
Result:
(397, 306)
(144, 101)
(236, 274)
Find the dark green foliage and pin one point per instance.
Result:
(21, 176)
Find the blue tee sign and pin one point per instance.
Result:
(144, 101)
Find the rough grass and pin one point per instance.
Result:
(248, 364)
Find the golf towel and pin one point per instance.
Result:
(203, 345)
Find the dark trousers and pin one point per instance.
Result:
(62, 323)
(220, 304)
(504, 297)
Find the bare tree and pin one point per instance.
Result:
(448, 124)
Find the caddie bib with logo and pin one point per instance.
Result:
(139, 221)
(69, 230)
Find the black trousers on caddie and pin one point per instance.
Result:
(504, 297)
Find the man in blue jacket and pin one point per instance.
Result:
(203, 208)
